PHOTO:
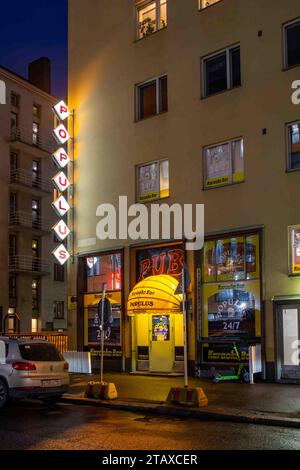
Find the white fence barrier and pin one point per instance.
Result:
(79, 362)
(255, 363)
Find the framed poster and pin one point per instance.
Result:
(148, 182)
(218, 165)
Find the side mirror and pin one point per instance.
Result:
(2, 353)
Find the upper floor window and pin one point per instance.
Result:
(152, 97)
(59, 272)
(224, 164)
(36, 110)
(152, 181)
(13, 161)
(207, 3)
(35, 133)
(221, 71)
(151, 16)
(14, 99)
(35, 294)
(292, 44)
(59, 309)
(293, 136)
(35, 170)
(14, 120)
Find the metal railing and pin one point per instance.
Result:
(32, 139)
(26, 178)
(60, 340)
(27, 220)
(29, 264)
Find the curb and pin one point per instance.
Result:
(209, 414)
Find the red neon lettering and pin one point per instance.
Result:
(145, 267)
(175, 262)
(158, 264)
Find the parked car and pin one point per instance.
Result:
(31, 369)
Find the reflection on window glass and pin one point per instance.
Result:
(292, 39)
(207, 3)
(103, 271)
(230, 259)
(294, 146)
(164, 179)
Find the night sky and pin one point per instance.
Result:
(31, 29)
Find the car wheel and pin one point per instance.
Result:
(3, 393)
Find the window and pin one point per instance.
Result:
(59, 309)
(207, 3)
(14, 120)
(12, 287)
(224, 164)
(35, 172)
(12, 203)
(35, 294)
(36, 110)
(222, 71)
(35, 254)
(13, 162)
(35, 211)
(12, 245)
(152, 181)
(59, 272)
(151, 16)
(152, 97)
(293, 137)
(292, 44)
(35, 133)
(14, 99)
(294, 250)
(104, 269)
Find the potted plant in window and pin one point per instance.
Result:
(147, 26)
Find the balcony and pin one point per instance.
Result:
(25, 220)
(25, 137)
(29, 265)
(25, 179)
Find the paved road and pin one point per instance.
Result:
(33, 426)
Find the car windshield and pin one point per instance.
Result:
(40, 352)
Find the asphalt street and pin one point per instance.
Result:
(32, 426)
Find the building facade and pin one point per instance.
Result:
(33, 286)
(189, 102)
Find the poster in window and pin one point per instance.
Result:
(294, 249)
(230, 259)
(148, 182)
(232, 310)
(161, 328)
(218, 165)
(161, 260)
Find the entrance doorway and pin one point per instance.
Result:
(288, 342)
(161, 343)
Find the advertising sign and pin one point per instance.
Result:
(163, 260)
(232, 309)
(216, 353)
(294, 250)
(148, 182)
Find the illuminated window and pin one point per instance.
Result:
(151, 16)
(293, 135)
(292, 44)
(35, 294)
(224, 164)
(152, 181)
(36, 110)
(152, 97)
(207, 3)
(221, 71)
(104, 270)
(35, 133)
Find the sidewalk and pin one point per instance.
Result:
(262, 403)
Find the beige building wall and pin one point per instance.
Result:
(105, 63)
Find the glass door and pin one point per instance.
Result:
(289, 330)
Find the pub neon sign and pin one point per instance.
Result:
(61, 183)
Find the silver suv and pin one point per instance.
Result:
(31, 369)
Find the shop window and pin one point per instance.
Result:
(293, 137)
(152, 181)
(104, 271)
(224, 164)
(151, 16)
(292, 44)
(59, 309)
(294, 250)
(207, 3)
(231, 288)
(151, 98)
(221, 71)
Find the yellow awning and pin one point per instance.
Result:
(155, 294)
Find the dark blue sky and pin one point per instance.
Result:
(30, 29)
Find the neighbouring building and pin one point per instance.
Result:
(190, 102)
(32, 285)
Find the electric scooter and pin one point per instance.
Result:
(241, 374)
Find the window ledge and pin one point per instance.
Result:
(292, 170)
(150, 117)
(223, 186)
(220, 92)
(209, 6)
(292, 67)
(149, 35)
